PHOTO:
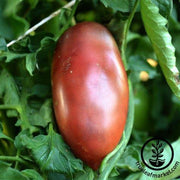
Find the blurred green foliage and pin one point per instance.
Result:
(29, 147)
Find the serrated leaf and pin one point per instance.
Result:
(129, 158)
(18, 144)
(14, 104)
(46, 48)
(43, 116)
(165, 7)
(8, 91)
(155, 26)
(119, 5)
(86, 174)
(32, 174)
(10, 56)
(35, 41)
(8, 173)
(51, 153)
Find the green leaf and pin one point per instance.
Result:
(51, 153)
(3, 46)
(8, 173)
(32, 174)
(135, 44)
(86, 174)
(119, 5)
(45, 52)
(41, 41)
(13, 102)
(31, 63)
(8, 92)
(3, 136)
(11, 25)
(134, 176)
(10, 56)
(129, 158)
(165, 7)
(10, 6)
(40, 90)
(69, 20)
(43, 116)
(42, 50)
(111, 159)
(155, 26)
(56, 176)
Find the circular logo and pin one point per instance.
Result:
(157, 154)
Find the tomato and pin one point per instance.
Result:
(142, 101)
(90, 91)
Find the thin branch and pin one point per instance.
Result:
(125, 33)
(41, 23)
(9, 106)
(13, 158)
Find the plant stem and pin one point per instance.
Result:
(125, 33)
(10, 106)
(41, 23)
(17, 162)
(70, 18)
(13, 158)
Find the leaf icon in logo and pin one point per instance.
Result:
(157, 154)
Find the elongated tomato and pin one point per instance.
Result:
(90, 91)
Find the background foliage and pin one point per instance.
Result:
(148, 35)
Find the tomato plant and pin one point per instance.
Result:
(69, 121)
(90, 91)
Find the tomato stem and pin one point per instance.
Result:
(70, 18)
(13, 158)
(17, 162)
(125, 33)
(10, 106)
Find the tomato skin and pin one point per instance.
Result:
(90, 91)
